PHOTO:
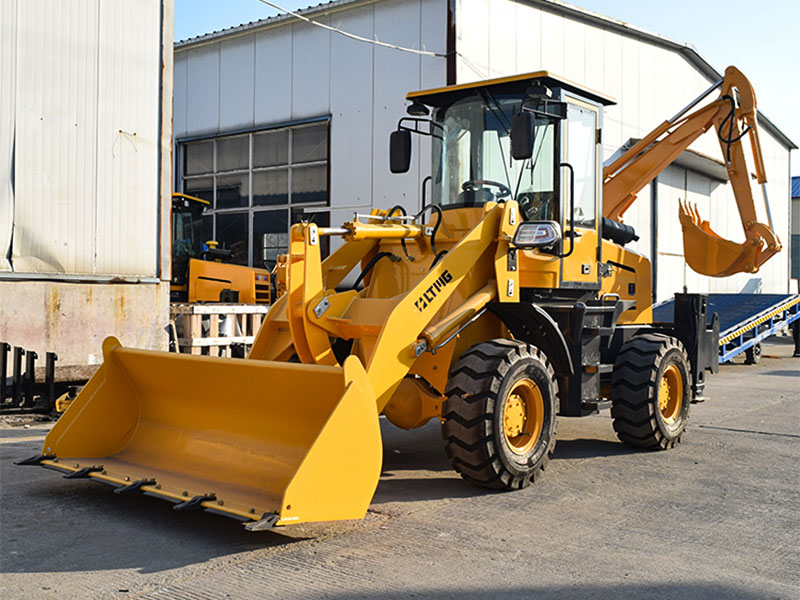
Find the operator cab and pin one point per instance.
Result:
(524, 137)
(187, 235)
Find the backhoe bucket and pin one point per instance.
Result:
(709, 254)
(267, 442)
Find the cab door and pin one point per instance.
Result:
(581, 151)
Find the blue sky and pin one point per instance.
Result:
(761, 38)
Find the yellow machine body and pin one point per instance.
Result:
(208, 279)
(291, 433)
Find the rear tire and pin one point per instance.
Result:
(500, 414)
(651, 392)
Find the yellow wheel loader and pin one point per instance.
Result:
(201, 274)
(508, 300)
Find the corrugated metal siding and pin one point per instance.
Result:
(86, 126)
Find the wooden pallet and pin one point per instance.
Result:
(214, 329)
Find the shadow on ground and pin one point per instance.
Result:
(590, 448)
(623, 591)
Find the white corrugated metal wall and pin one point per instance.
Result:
(295, 71)
(81, 95)
(650, 84)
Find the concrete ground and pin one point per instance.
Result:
(718, 517)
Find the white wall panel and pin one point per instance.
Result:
(433, 25)
(502, 39)
(202, 90)
(310, 70)
(552, 33)
(179, 95)
(529, 40)
(574, 50)
(472, 40)
(8, 75)
(236, 93)
(127, 141)
(629, 94)
(594, 58)
(351, 112)
(55, 192)
(273, 76)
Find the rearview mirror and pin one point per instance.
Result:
(400, 151)
(522, 136)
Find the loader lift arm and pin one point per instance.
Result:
(732, 115)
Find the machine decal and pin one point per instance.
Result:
(431, 293)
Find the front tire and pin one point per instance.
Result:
(752, 356)
(651, 392)
(500, 414)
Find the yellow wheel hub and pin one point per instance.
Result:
(523, 416)
(670, 393)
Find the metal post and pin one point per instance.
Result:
(17, 382)
(30, 377)
(796, 336)
(4, 348)
(50, 380)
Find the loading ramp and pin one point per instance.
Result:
(746, 319)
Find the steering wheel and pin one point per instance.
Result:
(474, 184)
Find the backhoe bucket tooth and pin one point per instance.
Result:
(261, 441)
(709, 254)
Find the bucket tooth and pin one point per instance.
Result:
(35, 460)
(266, 522)
(134, 486)
(195, 503)
(84, 473)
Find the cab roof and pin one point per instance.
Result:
(514, 84)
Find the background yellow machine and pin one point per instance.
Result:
(200, 274)
(507, 301)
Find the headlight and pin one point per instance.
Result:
(537, 234)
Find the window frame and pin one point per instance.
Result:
(250, 208)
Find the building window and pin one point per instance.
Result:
(259, 184)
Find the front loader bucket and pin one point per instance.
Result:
(267, 442)
(709, 254)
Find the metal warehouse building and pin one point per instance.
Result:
(280, 120)
(85, 176)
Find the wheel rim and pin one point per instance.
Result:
(523, 416)
(670, 393)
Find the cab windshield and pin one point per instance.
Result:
(472, 161)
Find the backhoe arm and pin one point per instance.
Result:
(705, 251)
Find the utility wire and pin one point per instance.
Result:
(352, 36)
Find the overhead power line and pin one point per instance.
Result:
(353, 36)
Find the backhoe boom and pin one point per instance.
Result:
(705, 251)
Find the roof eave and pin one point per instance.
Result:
(247, 28)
